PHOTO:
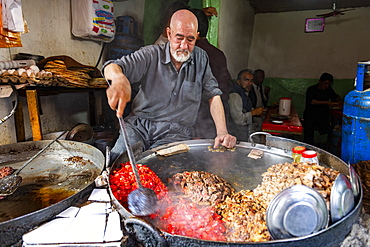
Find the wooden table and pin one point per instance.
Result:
(290, 126)
(32, 95)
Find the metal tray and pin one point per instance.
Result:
(234, 166)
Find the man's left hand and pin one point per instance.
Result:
(225, 140)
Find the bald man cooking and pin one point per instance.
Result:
(173, 78)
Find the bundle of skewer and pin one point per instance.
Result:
(55, 73)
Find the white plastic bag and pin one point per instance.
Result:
(93, 19)
(12, 15)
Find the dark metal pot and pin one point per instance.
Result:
(243, 173)
(49, 179)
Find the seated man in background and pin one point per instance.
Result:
(241, 109)
(259, 98)
(319, 98)
(204, 127)
(259, 94)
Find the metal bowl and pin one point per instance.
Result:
(81, 133)
(295, 212)
(341, 198)
(355, 182)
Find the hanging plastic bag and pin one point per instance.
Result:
(13, 16)
(12, 23)
(93, 19)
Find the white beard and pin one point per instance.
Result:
(181, 58)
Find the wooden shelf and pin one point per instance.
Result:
(32, 95)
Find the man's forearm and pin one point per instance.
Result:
(112, 71)
(319, 102)
(218, 114)
(119, 91)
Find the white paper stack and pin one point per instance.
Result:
(99, 195)
(94, 224)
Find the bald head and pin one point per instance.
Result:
(184, 18)
(182, 34)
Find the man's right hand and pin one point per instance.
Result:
(258, 111)
(119, 91)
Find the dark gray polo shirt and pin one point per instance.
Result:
(166, 94)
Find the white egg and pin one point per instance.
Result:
(21, 70)
(35, 68)
(11, 71)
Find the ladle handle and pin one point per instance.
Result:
(107, 157)
(39, 152)
(131, 156)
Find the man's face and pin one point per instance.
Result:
(246, 81)
(182, 37)
(323, 85)
(259, 78)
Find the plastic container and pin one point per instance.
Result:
(284, 106)
(16, 64)
(27, 56)
(309, 156)
(356, 120)
(297, 153)
(127, 39)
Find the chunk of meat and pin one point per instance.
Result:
(201, 187)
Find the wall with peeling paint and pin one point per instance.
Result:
(49, 23)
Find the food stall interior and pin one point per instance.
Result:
(272, 36)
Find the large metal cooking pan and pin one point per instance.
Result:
(243, 173)
(51, 183)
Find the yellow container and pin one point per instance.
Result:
(297, 153)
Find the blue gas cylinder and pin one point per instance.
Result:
(126, 40)
(356, 120)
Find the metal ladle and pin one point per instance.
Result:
(9, 184)
(142, 201)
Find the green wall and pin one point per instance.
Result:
(152, 23)
(296, 89)
(153, 15)
(212, 34)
